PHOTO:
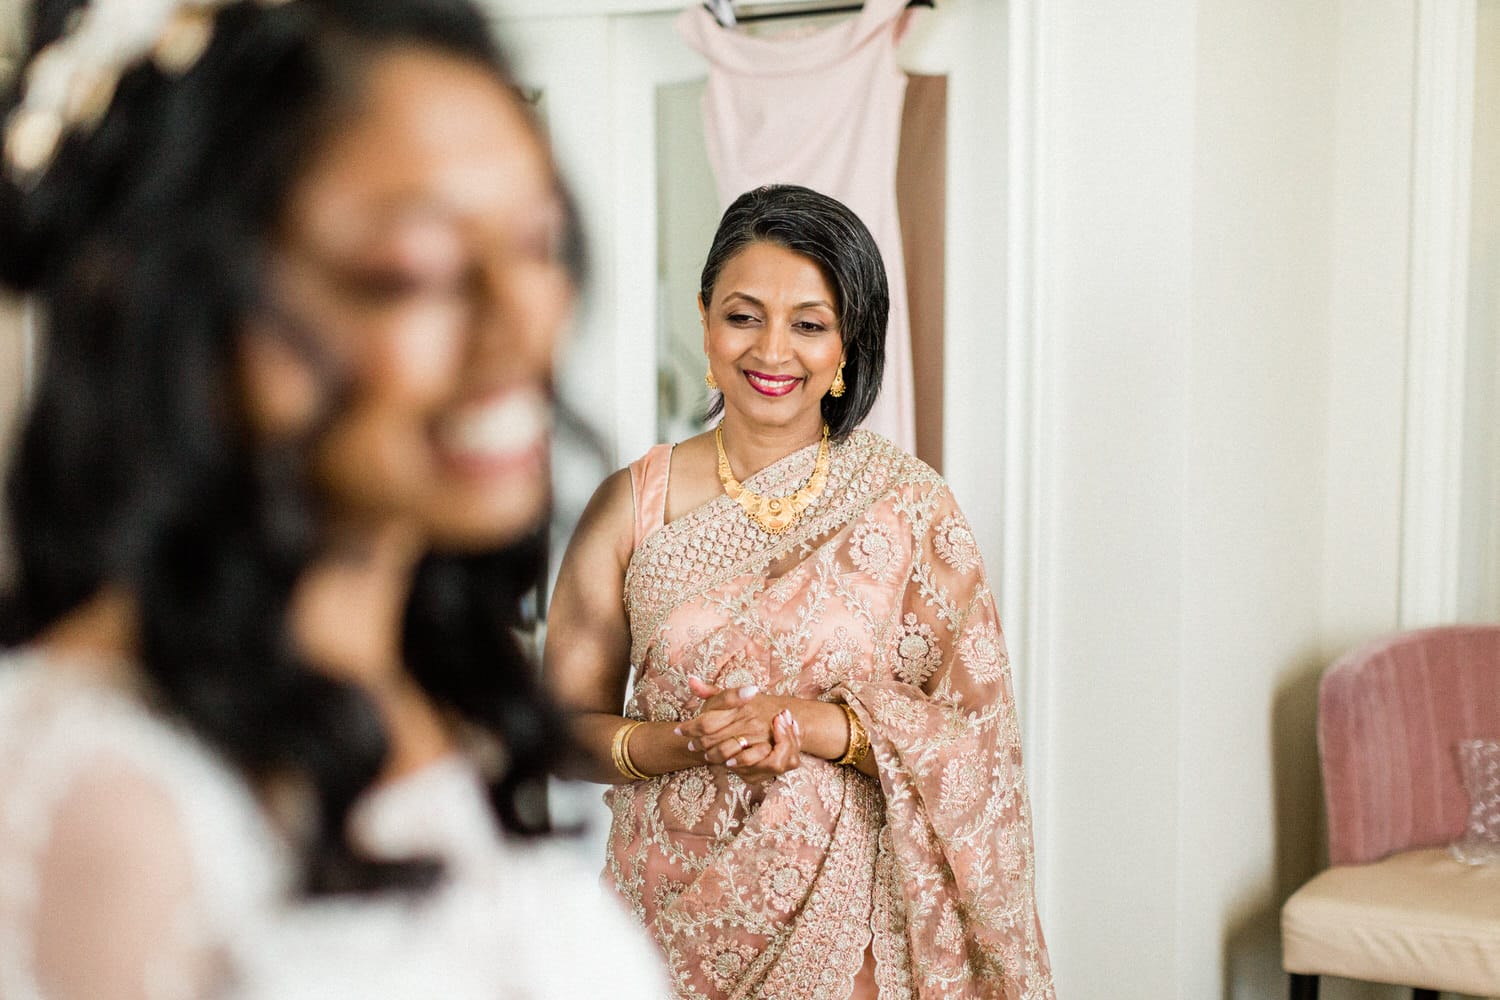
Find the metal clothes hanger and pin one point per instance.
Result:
(724, 12)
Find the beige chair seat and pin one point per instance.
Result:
(1419, 918)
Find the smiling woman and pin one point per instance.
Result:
(393, 253)
(772, 309)
(817, 782)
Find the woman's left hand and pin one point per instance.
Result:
(731, 722)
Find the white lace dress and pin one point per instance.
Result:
(136, 866)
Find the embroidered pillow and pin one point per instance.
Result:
(1479, 763)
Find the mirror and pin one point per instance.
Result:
(687, 214)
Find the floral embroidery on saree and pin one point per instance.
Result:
(876, 598)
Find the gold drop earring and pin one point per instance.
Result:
(709, 380)
(837, 389)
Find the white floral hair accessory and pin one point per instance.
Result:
(69, 84)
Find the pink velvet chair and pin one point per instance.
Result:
(1395, 906)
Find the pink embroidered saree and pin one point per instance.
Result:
(875, 598)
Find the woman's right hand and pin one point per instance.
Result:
(761, 762)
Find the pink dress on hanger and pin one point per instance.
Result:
(822, 110)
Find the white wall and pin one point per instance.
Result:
(1479, 587)
(1117, 122)
(1368, 323)
(1257, 404)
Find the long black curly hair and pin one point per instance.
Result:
(144, 246)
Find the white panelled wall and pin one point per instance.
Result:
(1117, 96)
(1257, 393)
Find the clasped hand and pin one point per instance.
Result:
(752, 734)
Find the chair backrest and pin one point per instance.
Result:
(1389, 716)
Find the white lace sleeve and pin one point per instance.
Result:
(135, 866)
(509, 920)
(534, 926)
(113, 909)
(127, 855)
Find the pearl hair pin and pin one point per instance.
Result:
(69, 85)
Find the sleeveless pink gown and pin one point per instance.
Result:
(824, 111)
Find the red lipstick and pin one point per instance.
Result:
(772, 385)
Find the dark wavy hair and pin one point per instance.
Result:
(144, 245)
(824, 230)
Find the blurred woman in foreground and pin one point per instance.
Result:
(301, 267)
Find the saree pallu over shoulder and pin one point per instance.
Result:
(877, 598)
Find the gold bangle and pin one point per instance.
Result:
(859, 740)
(620, 751)
(630, 764)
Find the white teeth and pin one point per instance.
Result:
(774, 385)
(507, 425)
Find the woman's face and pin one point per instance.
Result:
(422, 252)
(772, 337)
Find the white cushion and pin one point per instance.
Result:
(1419, 918)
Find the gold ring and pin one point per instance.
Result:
(744, 743)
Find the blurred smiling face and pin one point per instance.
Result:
(422, 252)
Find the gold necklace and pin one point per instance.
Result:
(774, 514)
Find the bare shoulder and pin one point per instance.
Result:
(694, 458)
(611, 500)
(695, 477)
(609, 519)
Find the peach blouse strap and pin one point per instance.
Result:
(648, 486)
